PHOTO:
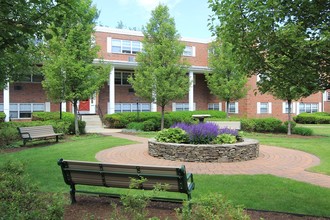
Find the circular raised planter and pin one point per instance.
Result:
(240, 151)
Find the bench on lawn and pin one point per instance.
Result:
(228, 124)
(37, 132)
(119, 176)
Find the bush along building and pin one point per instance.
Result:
(119, 48)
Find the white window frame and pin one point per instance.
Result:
(17, 108)
(121, 73)
(189, 51)
(285, 109)
(268, 108)
(328, 96)
(124, 46)
(185, 108)
(132, 107)
(211, 106)
(235, 110)
(309, 107)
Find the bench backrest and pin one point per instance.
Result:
(36, 131)
(116, 175)
(228, 124)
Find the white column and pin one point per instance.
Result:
(153, 107)
(191, 91)
(111, 109)
(6, 102)
(63, 106)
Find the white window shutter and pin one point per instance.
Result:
(258, 107)
(293, 107)
(283, 107)
(298, 108)
(269, 107)
(320, 107)
(194, 106)
(109, 44)
(236, 107)
(173, 106)
(220, 106)
(193, 51)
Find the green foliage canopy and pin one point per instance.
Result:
(70, 74)
(161, 75)
(226, 80)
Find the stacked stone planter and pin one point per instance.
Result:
(240, 151)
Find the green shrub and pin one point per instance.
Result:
(81, 127)
(302, 131)
(225, 139)
(20, 199)
(121, 120)
(172, 135)
(248, 125)
(151, 125)
(135, 126)
(313, 118)
(2, 116)
(8, 135)
(212, 206)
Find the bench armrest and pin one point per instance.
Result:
(25, 133)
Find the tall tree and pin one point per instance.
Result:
(161, 75)
(287, 43)
(69, 71)
(226, 80)
(21, 24)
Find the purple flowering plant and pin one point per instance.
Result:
(203, 133)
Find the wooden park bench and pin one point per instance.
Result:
(120, 175)
(37, 132)
(228, 124)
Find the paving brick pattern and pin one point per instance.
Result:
(276, 161)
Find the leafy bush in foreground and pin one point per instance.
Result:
(20, 199)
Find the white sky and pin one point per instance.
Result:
(190, 15)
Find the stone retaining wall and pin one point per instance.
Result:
(241, 151)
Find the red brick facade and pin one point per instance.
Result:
(247, 107)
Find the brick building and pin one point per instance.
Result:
(119, 47)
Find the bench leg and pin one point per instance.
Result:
(73, 194)
(56, 138)
(24, 142)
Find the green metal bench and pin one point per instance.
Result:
(119, 176)
(37, 132)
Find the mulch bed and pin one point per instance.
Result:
(94, 207)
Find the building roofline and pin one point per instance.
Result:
(140, 34)
(125, 64)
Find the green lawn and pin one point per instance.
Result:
(253, 191)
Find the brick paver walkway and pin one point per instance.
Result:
(272, 160)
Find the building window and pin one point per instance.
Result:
(181, 106)
(264, 107)
(189, 51)
(121, 77)
(125, 46)
(1, 107)
(286, 108)
(132, 107)
(214, 106)
(233, 107)
(308, 107)
(32, 78)
(328, 96)
(25, 110)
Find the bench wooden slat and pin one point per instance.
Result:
(120, 175)
(37, 132)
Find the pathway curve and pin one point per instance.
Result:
(272, 160)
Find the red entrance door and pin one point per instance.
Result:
(84, 105)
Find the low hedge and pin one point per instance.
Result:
(9, 134)
(313, 118)
(151, 120)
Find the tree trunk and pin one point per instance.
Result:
(289, 117)
(227, 110)
(162, 121)
(75, 110)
